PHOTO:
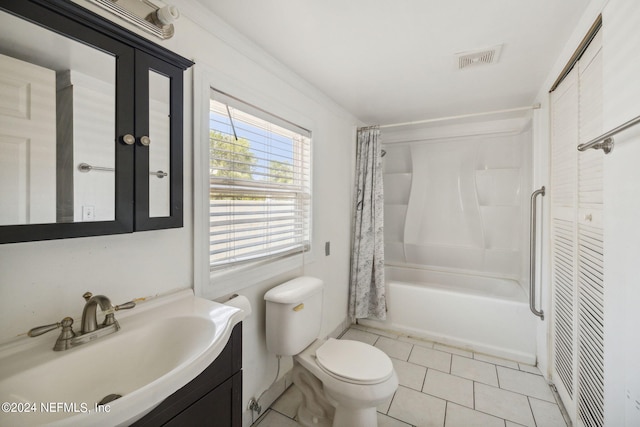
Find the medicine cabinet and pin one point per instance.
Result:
(91, 122)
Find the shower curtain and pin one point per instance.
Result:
(367, 289)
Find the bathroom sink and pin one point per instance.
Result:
(161, 346)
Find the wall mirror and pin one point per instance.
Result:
(159, 151)
(57, 127)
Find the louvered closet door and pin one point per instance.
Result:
(564, 174)
(577, 242)
(590, 244)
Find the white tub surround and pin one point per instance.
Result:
(458, 202)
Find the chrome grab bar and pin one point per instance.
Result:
(532, 255)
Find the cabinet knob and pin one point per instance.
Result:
(128, 139)
(588, 217)
(145, 140)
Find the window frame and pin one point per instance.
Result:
(213, 284)
(243, 116)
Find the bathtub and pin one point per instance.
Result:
(483, 314)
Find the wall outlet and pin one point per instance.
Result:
(88, 213)
(327, 248)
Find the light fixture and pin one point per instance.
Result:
(153, 18)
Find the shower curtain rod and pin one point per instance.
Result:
(441, 119)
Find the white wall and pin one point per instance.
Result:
(621, 92)
(42, 282)
(621, 66)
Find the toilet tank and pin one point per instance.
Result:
(293, 315)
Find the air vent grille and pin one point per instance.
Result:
(478, 57)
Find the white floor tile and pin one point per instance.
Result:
(474, 370)
(359, 335)
(276, 419)
(530, 369)
(512, 424)
(409, 374)
(394, 348)
(383, 333)
(289, 402)
(387, 421)
(356, 326)
(496, 360)
(416, 341)
(449, 387)
(418, 409)
(431, 358)
(459, 416)
(525, 383)
(546, 414)
(504, 404)
(453, 350)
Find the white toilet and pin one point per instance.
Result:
(341, 381)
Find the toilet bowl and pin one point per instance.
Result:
(355, 377)
(342, 381)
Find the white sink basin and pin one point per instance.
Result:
(161, 346)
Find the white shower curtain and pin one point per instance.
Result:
(367, 290)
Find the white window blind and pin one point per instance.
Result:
(260, 191)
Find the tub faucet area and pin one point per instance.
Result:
(90, 329)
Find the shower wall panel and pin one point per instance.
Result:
(459, 204)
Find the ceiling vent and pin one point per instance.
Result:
(478, 57)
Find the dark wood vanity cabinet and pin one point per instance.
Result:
(117, 102)
(213, 398)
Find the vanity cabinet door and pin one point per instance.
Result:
(218, 408)
(158, 152)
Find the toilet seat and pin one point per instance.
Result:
(354, 361)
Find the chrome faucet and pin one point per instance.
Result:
(90, 329)
(89, 317)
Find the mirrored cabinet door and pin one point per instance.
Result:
(62, 173)
(160, 151)
(159, 147)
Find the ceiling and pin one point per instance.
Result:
(394, 61)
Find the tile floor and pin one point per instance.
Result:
(442, 386)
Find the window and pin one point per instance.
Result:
(260, 192)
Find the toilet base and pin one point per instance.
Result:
(351, 417)
(319, 409)
(314, 410)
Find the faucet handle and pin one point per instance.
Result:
(125, 306)
(87, 296)
(110, 318)
(64, 323)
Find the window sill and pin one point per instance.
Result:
(237, 278)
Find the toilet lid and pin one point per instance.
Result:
(354, 361)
